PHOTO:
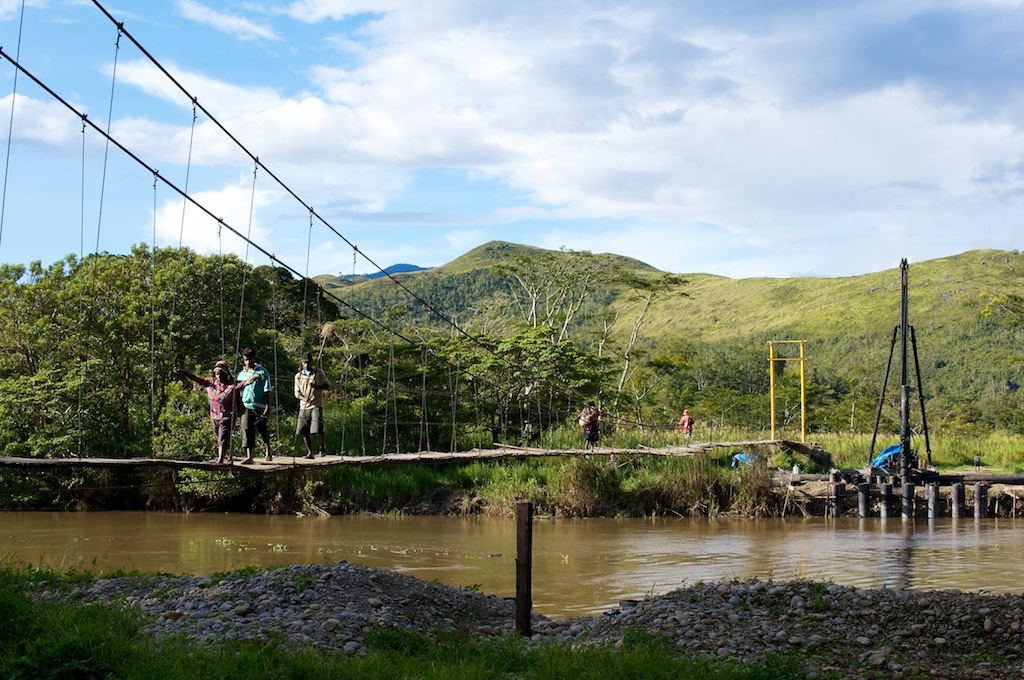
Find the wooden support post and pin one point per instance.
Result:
(958, 500)
(864, 499)
(885, 502)
(838, 490)
(524, 567)
(931, 492)
(908, 500)
(980, 500)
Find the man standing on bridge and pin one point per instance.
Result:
(221, 393)
(255, 399)
(310, 384)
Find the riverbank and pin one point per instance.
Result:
(826, 629)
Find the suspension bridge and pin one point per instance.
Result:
(148, 388)
(287, 463)
(513, 408)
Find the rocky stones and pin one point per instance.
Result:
(334, 606)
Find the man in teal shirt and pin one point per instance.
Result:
(256, 400)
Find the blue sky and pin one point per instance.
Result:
(740, 138)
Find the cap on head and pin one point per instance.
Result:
(248, 352)
(306, 356)
(221, 367)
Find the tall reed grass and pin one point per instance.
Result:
(998, 450)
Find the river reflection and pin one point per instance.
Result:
(580, 566)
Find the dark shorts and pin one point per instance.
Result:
(253, 422)
(311, 421)
(222, 432)
(591, 433)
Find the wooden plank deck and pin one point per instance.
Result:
(282, 463)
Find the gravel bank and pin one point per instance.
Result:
(844, 631)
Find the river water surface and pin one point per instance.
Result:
(580, 567)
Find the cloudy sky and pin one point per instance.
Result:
(734, 137)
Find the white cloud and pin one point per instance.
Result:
(46, 122)
(315, 11)
(221, 99)
(243, 29)
(10, 9)
(178, 221)
(782, 138)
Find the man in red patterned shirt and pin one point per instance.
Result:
(221, 393)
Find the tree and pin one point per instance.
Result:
(549, 289)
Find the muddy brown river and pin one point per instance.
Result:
(579, 566)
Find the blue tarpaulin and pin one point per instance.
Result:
(743, 458)
(887, 457)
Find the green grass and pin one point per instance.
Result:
(636, 485)
(43, 640)
(1000, 451)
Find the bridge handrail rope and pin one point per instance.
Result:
(249, 242)
(440, 315)
(245, 272)
(277, 374)
(99, 223)
(424, 430)
(220, 283)
(220, 221)
(191, 200)
(10, 125)
(288, 189)
(106, 147)
(181, 232)
(152, 317)
(81, 295)
(305, 278)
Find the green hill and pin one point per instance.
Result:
(967, 362)
(942, 293)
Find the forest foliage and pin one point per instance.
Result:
(502, 344)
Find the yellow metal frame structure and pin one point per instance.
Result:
(772, 358)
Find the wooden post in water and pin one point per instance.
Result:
(980, 500)
(908, 499)
(885, 502)
(524, 567)
(838, 491)
(958, 500)
(864, 499)
(931, 492)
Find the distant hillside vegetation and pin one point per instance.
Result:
(968, 362)
(458, 289)
(848, 322)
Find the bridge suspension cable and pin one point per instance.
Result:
(196, 105)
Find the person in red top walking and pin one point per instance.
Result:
(221, 392)
(686, 422)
